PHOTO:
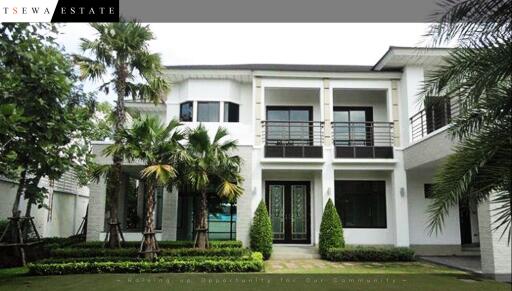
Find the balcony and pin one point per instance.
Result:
(363, 140)
(433, 117)
(293, 139)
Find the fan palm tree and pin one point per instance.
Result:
(160, 148)
(211, 163)
(121, 54)
(478, 76)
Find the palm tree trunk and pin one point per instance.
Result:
(114, 235)
(201, 228)
(149, 246)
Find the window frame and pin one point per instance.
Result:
(192, 111)
(208, 102)
(358, 191)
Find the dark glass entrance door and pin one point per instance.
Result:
(289, 209)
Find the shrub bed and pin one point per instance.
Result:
(166, 244)
(133, 252)
(178, 265)
(370, 254)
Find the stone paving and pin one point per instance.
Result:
(290, 265)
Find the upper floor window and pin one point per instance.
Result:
(186, 110)
(231, 112)
(352, 126)
(428, 190)
(208, 111)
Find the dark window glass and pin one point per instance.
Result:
(208, 111)
(186, 110)
(291, 125)
(427, 188)
(231, 112)
(361, 204)
(351, 127)
(438, 111)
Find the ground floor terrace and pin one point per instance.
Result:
(378, 205)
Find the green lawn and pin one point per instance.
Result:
(356, 276)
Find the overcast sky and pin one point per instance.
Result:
(290, 43)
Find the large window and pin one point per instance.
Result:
(231, 112)
(289, 125)
(351, 127)
(135, 206)
(186, 110)
(208, 111)
(361, 204)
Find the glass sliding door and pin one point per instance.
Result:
(289, 125)
(353, 126)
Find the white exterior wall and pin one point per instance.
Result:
(418, 217)
(218, 91)
(495, 250)
(410, 86)
(68, 206)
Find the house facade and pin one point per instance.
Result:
(308, 133)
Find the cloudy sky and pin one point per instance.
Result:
(299, 43)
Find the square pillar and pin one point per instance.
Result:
(169, 214)
(495, 251)
(328, 108)
(399, 194)
(258, 99)
(96, 215)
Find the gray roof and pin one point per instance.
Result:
(277, 67)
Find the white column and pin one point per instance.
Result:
(169, 214)
(495, 251)
(399, 189)
(96, 215)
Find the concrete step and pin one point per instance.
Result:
(286, 252)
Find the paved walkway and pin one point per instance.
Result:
(465, 263)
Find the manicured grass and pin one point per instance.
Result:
(359, 276)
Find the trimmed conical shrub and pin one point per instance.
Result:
(331, 231)
(261, 231)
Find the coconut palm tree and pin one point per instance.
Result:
(478, 75)
(160, 148)
(121, 54)
(211, 163)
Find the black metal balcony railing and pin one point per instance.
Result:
(369, 139)
(293, 139)
(433, 117)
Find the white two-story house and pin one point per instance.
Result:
(358, 135)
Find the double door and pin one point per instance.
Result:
(289, 208)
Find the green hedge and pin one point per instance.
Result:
(177, 265)
(163, 244)
(261, 231)
(133, 252)
(370, 254)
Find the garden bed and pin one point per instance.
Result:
(370, 254)
(251, 263)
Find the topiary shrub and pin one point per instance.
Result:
(331, 231)
(261, 232)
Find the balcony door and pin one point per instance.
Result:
(289, 125)
(352, 126)
(289, 209)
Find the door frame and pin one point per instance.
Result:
(287, 196)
